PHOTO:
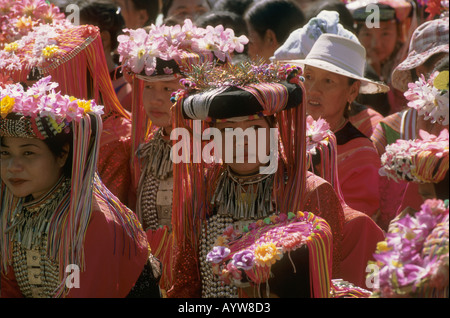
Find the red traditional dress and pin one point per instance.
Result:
(115, 253)
(358, 164)
(365, 119)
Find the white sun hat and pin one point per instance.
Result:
(343, 56)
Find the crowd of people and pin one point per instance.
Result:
(224, 148)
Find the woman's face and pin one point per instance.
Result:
(251, 161)
(133, 18)
(328, 94)
(29, 167)
(379, 42)
(261, 47)
(187, 9)
(156, 99)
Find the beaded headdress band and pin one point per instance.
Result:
(423, 160)
(249, 256)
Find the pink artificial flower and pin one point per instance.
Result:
(317, 132)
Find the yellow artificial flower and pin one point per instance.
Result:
(397, 264)
(11, 47)
(85, 104)
(441, 81)
(6, 105)
(50, 50)
(383, 246)
(267, 254)
(141, 53)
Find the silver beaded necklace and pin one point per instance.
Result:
(238, 201)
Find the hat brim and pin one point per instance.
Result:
(367, 86)
(401, 75)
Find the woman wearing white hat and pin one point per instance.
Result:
(334, 76)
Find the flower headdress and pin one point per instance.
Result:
(159, 53)
(17, 18)
(38, 103)
(420, 160)
(249, 256)
(41, 112)
(72, 55)
(430, 97)
(140, 50)
(413, 260)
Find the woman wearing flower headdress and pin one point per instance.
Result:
(269, 178)
(156, 59)
(73, 55)
(63, 233)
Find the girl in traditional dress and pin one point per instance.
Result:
(63, 233)
(264, 99)
(155, 63)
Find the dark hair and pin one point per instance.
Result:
(226, 18)
(104, 15)
(442, 188)
(285, 282)
(280, 16)
(348, 108)
(442, 65)
(151, 6)
(235, 6)
(56, 145)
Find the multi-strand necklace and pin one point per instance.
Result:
(36, 273)
(155, 188)
(238, 201)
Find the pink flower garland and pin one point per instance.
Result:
(429, 100)
(139, 50)
(17, 18)
(42, 100)
(263, 254)
(405, 267)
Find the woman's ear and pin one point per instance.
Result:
(270, 39)
(106, 40)
(62, 158)
(354, 91)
